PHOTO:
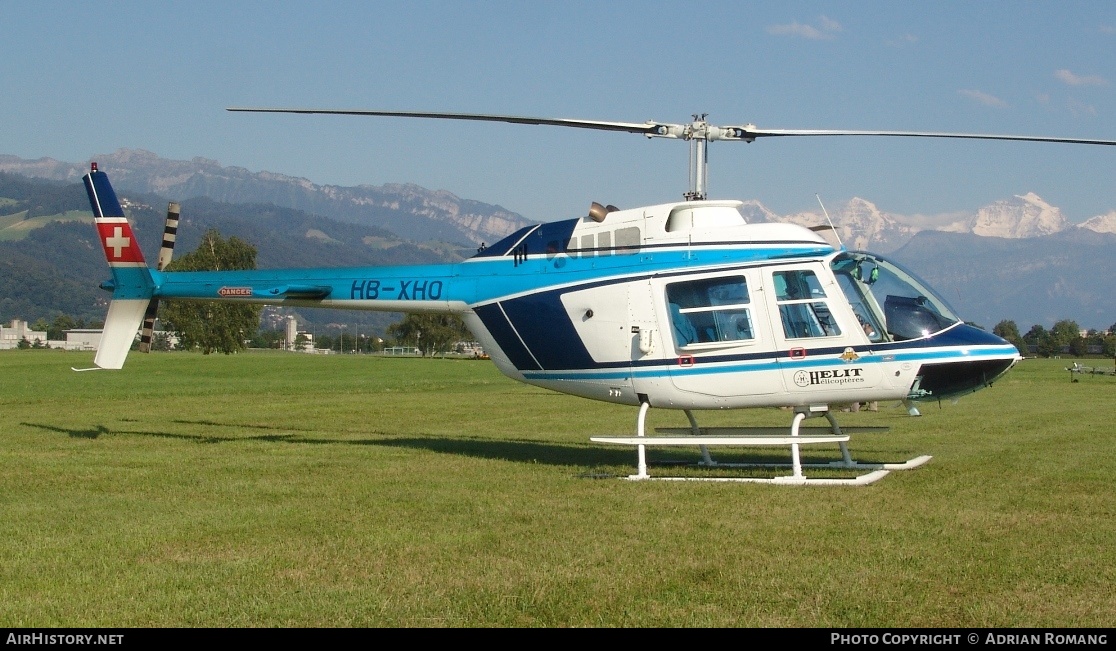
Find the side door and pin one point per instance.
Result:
(716, 326)
(646, 352)
(816, 334)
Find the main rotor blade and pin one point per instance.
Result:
(752, 132)
(698, 130)
(647, 128)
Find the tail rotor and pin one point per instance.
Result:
(166, 252)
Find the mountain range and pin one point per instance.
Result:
(1018, 258)
(410, 211)
(862, 225)
(415, 213)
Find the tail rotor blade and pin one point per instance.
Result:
(166, 252)
(170, 233)
(148, 326)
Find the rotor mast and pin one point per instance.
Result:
(700, 133)
(699, 159)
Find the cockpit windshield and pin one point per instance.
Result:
(891, 302)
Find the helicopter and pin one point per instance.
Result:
(681, 305)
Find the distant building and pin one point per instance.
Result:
(297, 340)
(82, 339)
(17, 332)
(76, 339)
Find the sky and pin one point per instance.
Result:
(82, 79)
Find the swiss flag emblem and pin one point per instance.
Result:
(120, 245)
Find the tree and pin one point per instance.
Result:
(1041, 339)
(60, 325)
(430, 333)
(1064, 333)
(1006, 328)
(268, 339)
(161, 341)
(1010, 332)
(1033, 335)
(301, 342)
(347, 342)
(213, 327)
(1048, 345)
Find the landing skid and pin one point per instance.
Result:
(706, 437)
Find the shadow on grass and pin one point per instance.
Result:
(507, 450)
(519, 451)
(211, 423)
(92, 433)
(99, 430)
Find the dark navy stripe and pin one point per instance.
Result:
(101, 195)
(497, 324)
(544, 325)
(960, 334)
(871, 354)
(550, 238)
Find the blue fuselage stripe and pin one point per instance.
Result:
(778, 360)
(478, 280)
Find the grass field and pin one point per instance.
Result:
(298, 490)
(15, 227)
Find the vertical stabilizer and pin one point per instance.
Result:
(132, 284)
(121, 324)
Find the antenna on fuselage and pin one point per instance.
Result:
(833, 228)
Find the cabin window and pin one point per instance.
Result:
(604, 241)
(627, 241)
(861, 304)
(803, 315)
(587, 246)
(891, 296)
(710, 310)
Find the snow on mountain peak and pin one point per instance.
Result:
(1101, 223)
(861, 225)
(756, 213)
(1021, 216)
